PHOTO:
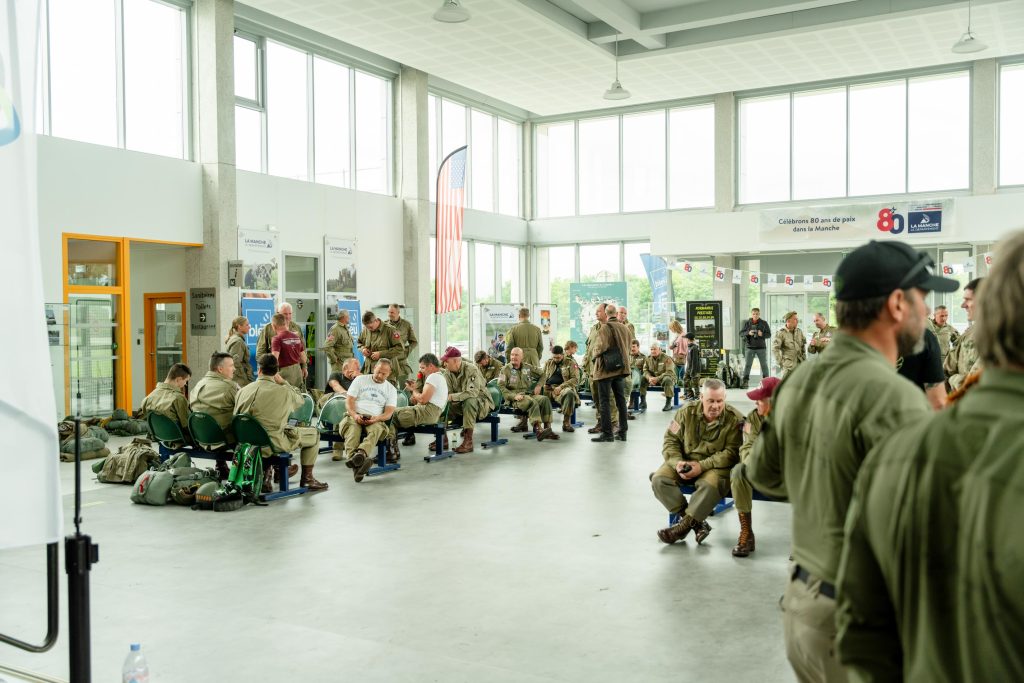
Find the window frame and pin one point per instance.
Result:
(1015, 61)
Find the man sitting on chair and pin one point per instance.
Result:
(424, 406)
(517, 381)
(270, 400)
(339, 382)
(559, 382)
(168, 398)
(370, 404)
(216, 391)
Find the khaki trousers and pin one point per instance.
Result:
(667, 382)
(363, 437)
(412, 416)
(307, 438)
(470, 410)
(742, 491)
(293, 375)
(809, 625)
(712, 486)
(568, 399)
(537, 408)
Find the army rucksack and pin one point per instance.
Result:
(130, 461)
(246, 473)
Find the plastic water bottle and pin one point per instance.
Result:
(135, 669)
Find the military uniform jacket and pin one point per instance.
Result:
(662, 365)
(215, 396)
(637, 362)
(961, 359)
(588, 357)
(339, 347)
(570, 374)
(755, 421)
(271, 404)
(167, 400)
(239, 351)
(267, 335)
(632, 330)
(492, 370)
(384, 341)
(947, 335)
(825, 418)
(826, 333)
(716, 445)
(933, 546)
(789, 348)
(521, 380)
(405, 335)
(612, 334)
(468, 383)
(526, 336)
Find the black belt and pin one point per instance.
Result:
(825, 588)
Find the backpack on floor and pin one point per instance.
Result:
(153, 487)
(246, 474)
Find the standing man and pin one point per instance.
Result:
(407, 338)
(611, 365)
(790, 344)
(742, 491)
(637, 380)
(270, 400)
(659, 370)
(216, 391)
(370, 402)
(490, 367)
(516, 382)
(288, 349)
(923, 367)
(526, 336)
(377, 341)
(929, 583)
(468, 394)
(946, 333)
(338, 346)
(237, 346)
(694, 366)
(168, 398)
(755, 334)
(822, 337)
(559, 382)
(700, 446)
(962, 357)
(267, 334)
(589, 366)
(825, 419)
(624, 319)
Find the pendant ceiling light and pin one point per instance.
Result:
(616, 92)
(452, 12)
(968, 43)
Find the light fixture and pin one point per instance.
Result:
(451, 12)
(616, 92)
(968, 43)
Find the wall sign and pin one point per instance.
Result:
(202, 305)
(260, 253)
(877, 221)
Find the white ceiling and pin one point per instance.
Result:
(540, 57)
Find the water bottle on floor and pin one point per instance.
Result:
(135, 669)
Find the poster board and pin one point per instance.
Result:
(260, 254)
(340, 278)
(495, 320)
(583, 300)
(258, 309)
(546, 316)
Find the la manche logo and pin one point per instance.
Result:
(925, 219)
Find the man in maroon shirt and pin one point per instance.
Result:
(288, 349)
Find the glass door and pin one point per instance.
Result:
(302, 291)
(93, 356)
(164, 335)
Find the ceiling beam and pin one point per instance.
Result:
(624, 20)
(558, 16)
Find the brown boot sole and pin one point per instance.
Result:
(547, 434)
(461, 449)
(569, 429)
(360, 472)
(314, 485)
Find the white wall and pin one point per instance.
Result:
(491, 227)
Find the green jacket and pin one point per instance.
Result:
(755, 421)
(385, 341)
(492, 370)
(637, 362)
(947, 334)
(468, 383)
(662, 365)
(789, 348)
(820, 335)
(406, 335)
(215, 396)
(570, 374)
(714, 444)
(271, 404)
(961, 359)
(267, 336)
(588, 356)
(933, 550)
(339, 346)
(168, 401)
(825, 417)
(526, 336)
(512, 381)
(239, 351)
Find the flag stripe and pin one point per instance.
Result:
(451, 194)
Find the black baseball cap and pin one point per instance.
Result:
(878, 268)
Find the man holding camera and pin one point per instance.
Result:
(755, 334)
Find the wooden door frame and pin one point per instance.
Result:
(148, 334)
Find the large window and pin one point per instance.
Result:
(486, 269)
(287, 116)
(599, 263)
(511, 275)
(691, 157)
(128, 93)
(373, 133)
(643, 161)
(331, 129)
(556, 169)
(886, 137)
(598, 165)
(1011, 124)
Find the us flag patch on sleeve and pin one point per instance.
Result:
(673, 427)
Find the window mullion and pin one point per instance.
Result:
(119, 62)
(668, 166)
(352, 128)
(310, 123)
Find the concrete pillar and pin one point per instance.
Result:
(984, 122)
(414, 190)
(725, 152)
(214, 127)
(526, 173)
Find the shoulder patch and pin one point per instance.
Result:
(673, 427)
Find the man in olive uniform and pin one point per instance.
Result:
(268, 333)
(962, 358)
(701, 445)
(468, 394)
(822, 336)
(526, 336)
(270, 400)
(930, 586)
(589, 366)
(825, 419)
(338, 346)
(943, 331)
(789, 347)
(489, 366)
(637, 380)
(624, 319)
(425, 403)
(376, 341)
(168, 398)
(215, 393)
(516, 382)
(237, 346)
(659, 370)
(407, 338)
(559, 382)
(742, 491)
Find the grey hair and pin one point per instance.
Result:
(383, 361)
(999, 323)
(712, 384)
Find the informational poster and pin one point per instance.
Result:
(545, 316)
(583, 300)
(260, 254)
(705, 321)
(202, 304)
(355, 322)
(258, 310)
(879, 221)
(495, 319)
(340, 268)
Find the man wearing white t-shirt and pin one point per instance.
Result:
(425, 406)
(370, 404)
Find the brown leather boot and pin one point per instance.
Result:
(467, 442)
(596, 429)
(433, 444)
(409, 440)
(545, 433)
(522, 426)
(309, 482)
(678, 532)
(268, 481)
(745, 543)
(292, 471)
(567, 425)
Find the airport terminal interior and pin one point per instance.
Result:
(413, 179)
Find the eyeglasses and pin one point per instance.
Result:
(924, 262)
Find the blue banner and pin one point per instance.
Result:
(662, 296)
(258, 311)
(355, 323)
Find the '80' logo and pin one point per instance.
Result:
(890, 221)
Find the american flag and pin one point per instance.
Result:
(451, 199)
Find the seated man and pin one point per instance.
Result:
(571, 348)
(488, 365)
(339, 382)
(425, 405)
(168, 398)
(742, 491)
(216, 391)
(637, 381)
(288, 349)
(558, 382)
(516, 383)
(660, 371)
(371, 401)
(270, 400)
(700, 447)
(467, 391)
